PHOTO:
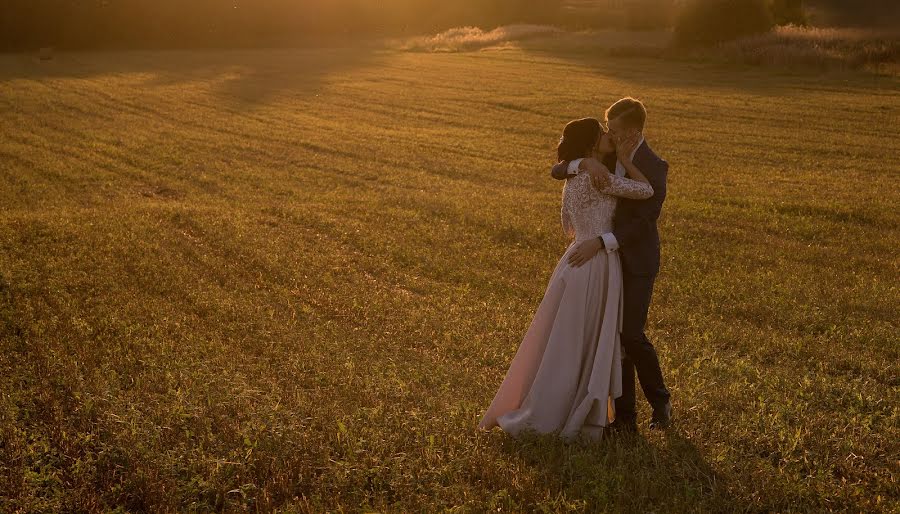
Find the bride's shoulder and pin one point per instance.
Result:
(579, 184)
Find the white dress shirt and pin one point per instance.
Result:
(609, 239)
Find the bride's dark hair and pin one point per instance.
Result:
(578, 138)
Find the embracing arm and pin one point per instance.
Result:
(568, 169)
(560, 170)
(636, 187)
(628, 188)
(611, 184)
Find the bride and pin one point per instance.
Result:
(567, 369)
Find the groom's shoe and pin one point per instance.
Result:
(662, 417)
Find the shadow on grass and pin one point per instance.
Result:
(626, 473)
(241, 76)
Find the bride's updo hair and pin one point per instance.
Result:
(578, 138)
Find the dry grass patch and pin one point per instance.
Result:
(823, 48)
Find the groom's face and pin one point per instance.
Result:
(619, 131)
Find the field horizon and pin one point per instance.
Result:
(293, 279)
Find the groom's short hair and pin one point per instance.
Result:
(630, 110)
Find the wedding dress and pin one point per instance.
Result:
(567, 369)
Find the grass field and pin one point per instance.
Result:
(294, 279)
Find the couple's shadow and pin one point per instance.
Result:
(641, 472)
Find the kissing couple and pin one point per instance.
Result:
(574, 372)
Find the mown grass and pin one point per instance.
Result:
(294, 279)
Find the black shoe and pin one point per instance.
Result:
(619, 427)
(662, 417)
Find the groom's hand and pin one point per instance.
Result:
(585, 251)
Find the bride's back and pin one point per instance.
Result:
(589, 211)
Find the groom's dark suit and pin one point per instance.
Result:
(638, 238)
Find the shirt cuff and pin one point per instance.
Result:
(610, 242)
(573, 166)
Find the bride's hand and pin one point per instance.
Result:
(624, 147)
(598, 172)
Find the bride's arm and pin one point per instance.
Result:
(613, 185)
(635, 189)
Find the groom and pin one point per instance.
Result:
(636, 237)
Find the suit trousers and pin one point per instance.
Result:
(638, 353)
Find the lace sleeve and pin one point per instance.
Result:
(626, 188)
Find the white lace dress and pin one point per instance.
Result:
(568, 366)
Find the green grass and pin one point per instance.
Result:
(295, 279)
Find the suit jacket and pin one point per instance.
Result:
(635, 220)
